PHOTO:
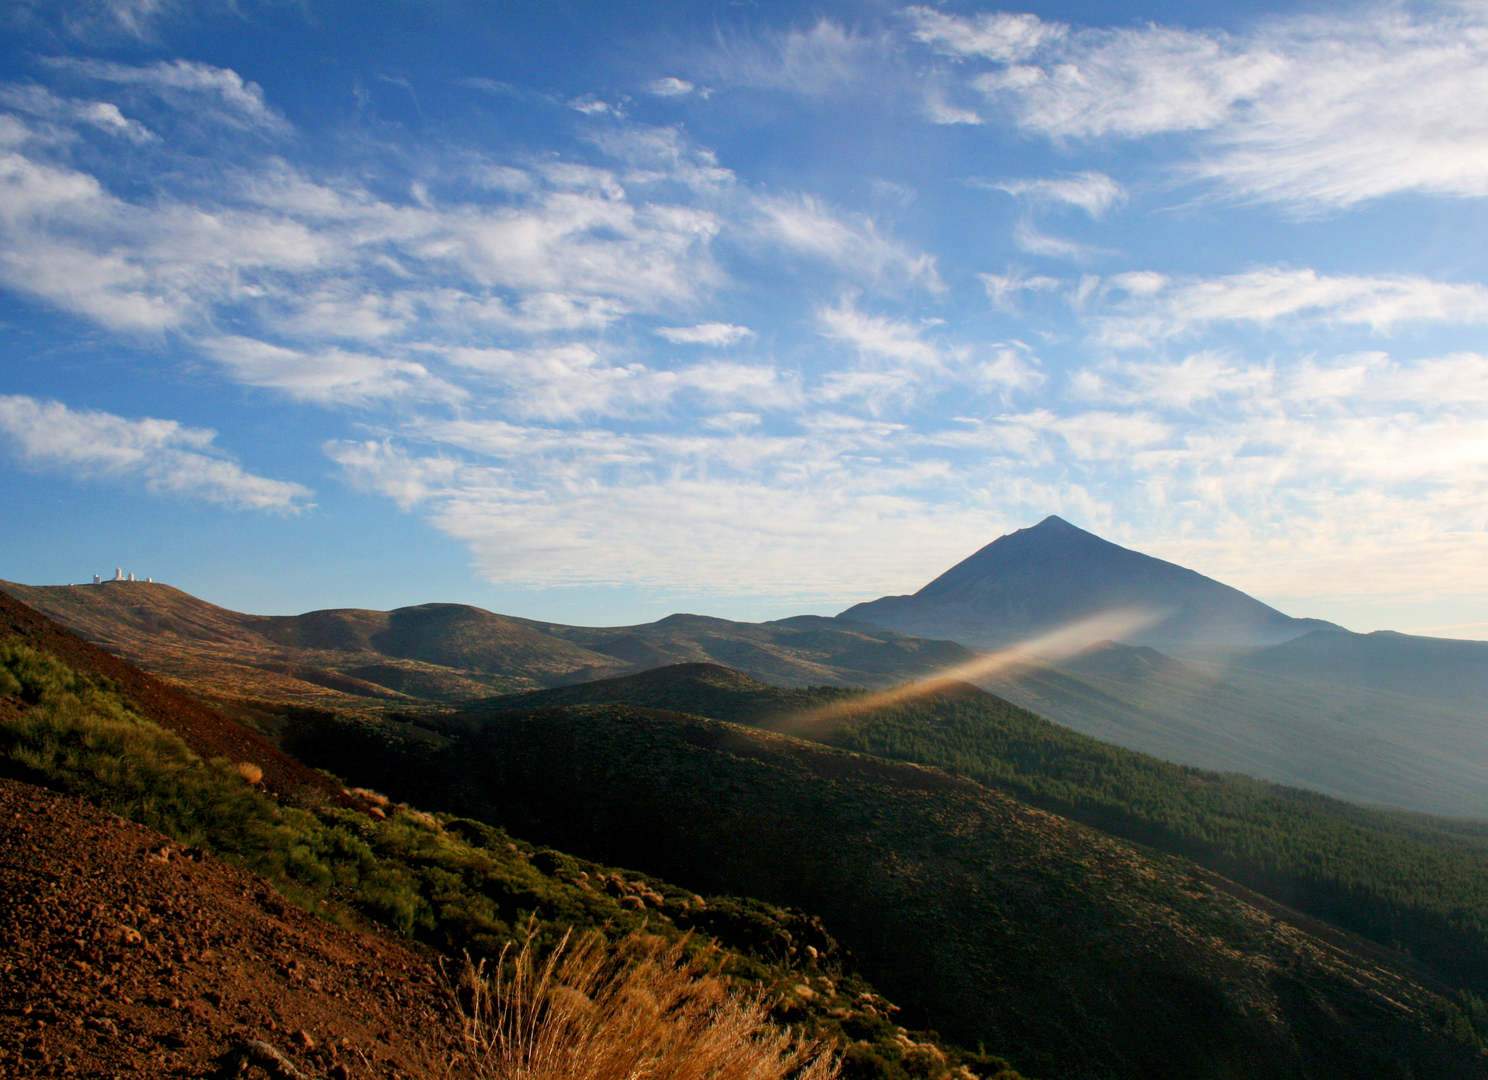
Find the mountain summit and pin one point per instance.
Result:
(1041, 578)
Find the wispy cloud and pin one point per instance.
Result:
(1130, 82)
(167, 457)
(899, 361)
(39, 102)
(1030, 238)
(1142, 308)
(331, 376)
(1181, 384)
(232, 98)
(1320, 111)
(853, 243)
(999, 35)
(670, 86)
(1092, 192)
(567, 382)
(715, 334)
(1004, 290)
(939, 109)
(783, 533)
(816, 60)
(876, 337)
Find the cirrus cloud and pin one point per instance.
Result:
(166, 456)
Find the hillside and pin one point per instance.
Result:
(1203, 675)
(1343, 738)
(353, 658)
(355, 858)
(125, 954)
(702, 689)
(206, 732)
(1401, 880)
(1439, 670)
(1075, 953)
(1038, 579)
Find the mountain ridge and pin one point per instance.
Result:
(442, 652)
(1035, 580)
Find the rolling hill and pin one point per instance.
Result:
(351, 658)
(1401, 880)
(1072, 951)
(1452, 673)
(1314, 711)
(125, 926)
(1350, 740)
(1077, 954)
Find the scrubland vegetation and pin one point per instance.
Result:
(468, 888)
(1410, 882)
(594, 1010)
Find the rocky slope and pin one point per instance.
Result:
(123, 954)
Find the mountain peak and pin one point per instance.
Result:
(1053, 521)
(1053, 526)
(1052, 574)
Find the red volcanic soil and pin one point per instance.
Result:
(121, 954)
(206, 732)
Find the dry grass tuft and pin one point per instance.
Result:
(641, 1008)
(249, 772)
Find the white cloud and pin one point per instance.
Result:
(104, 116)
(898, 363)
(1132, 83)
(1145, 307)
(1092, 192)
(108, 19)
(329, 376)
(574, 251)
(670, 87)
(1372, 104)
(649, 255)
(663, 154)
(1005, 289)
(1316, 111)
(732, 421)
(1441, 384)
(590, 105)
(715, 334)
(238, 101)
(1010, 369)
(566, 382)
(940, 110)
(1098, 435)
(1031, 239)
(876, 337)
(853, 243)
(815, 61)
(815, 530)
(532, 314)
(168, 457)
(1178, 384)
(1000, 35)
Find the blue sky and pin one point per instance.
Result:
(595, 312)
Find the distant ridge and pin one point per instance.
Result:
(1038, 579)
(351, 657)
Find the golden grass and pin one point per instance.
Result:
(636, 1010)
